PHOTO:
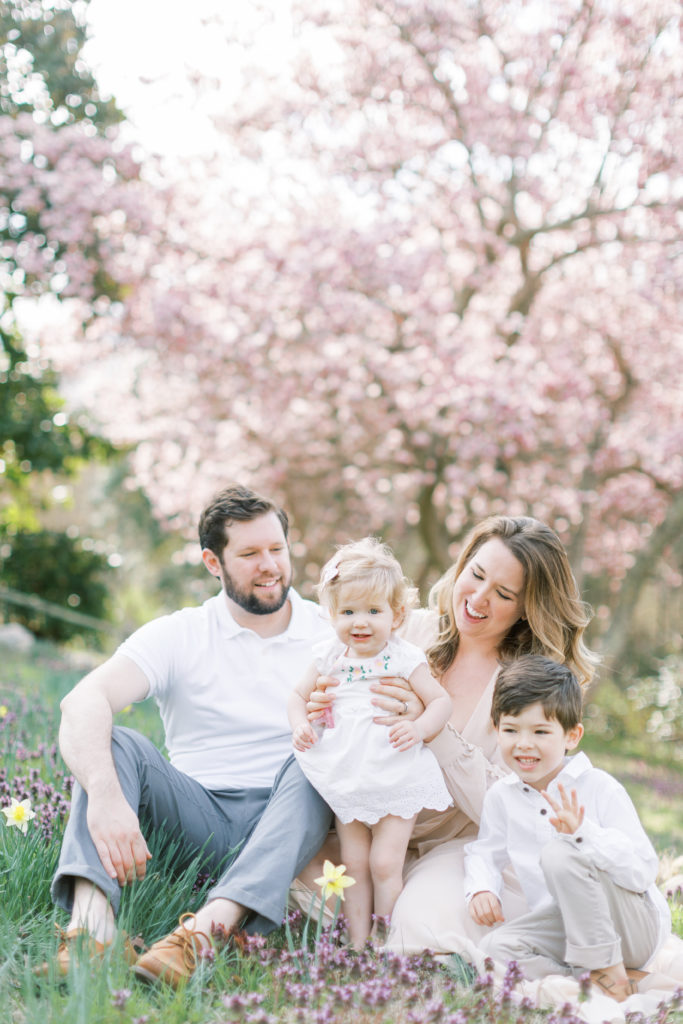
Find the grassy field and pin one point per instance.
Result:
(283, 980)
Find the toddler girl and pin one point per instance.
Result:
(375, 779)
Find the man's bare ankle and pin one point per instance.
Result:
(92, 912)
(219, 916)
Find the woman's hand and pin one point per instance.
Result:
(395, 697)
(321, 698)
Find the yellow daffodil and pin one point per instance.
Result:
(19, 813)
(333, 879)
(3, 710)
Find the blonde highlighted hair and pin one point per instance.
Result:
(555, 617)
(367, 566)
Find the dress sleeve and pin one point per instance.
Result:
(406, 657)
(467, 771)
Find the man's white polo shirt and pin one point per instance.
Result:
(222, 690)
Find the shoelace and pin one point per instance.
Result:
(185, 940)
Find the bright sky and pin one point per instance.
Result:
(141, 51)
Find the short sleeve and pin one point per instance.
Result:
(325, 653)
(152, 648)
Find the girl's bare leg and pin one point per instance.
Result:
(314, 869)
(390, 837)
(355, 839)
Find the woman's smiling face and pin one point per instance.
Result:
(488, 595)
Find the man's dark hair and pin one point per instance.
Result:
(533, 679)
(234, 504)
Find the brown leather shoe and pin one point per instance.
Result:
(173, 960)
(76, 943)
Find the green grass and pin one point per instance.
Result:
(257, 985)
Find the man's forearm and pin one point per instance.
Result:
(85, 741)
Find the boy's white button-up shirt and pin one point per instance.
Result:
(515, 826)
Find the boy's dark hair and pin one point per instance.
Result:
(234, 504)
(533, 679)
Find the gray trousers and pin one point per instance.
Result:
(592, 922)
(280, 829)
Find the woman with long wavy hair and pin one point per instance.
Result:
(511, 592)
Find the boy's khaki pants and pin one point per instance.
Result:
(592, 922)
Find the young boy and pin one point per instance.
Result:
(574, 839)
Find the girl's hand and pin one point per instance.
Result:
(396, 698)
(568, 814)
(404, 735)
(485, 909)
(321, 698)
(304, 736)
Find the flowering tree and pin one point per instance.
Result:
(71, 204)
(63, 209)
(447, 288)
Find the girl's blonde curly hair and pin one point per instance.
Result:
(368, 566)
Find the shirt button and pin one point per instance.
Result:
(526, 789)
(579, 839)
(544, 810)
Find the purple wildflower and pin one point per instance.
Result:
(120, 998)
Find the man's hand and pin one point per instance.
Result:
(395, 696)
(569, 813)
(120, 845)
(304, 736)
(485, 909)
(405, 734)
(321, 698)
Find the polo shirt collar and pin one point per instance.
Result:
(298, 628)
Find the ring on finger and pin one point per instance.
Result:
(405, 708)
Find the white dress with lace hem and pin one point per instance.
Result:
(353, 765)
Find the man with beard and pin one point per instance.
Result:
(221, 675)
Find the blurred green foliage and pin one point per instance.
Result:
(37, 439)
(41, 64)
(58, 569)
(645, 711)
(634, 729)
(34, 433)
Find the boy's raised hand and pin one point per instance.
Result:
(568, 814)
(485, 909)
